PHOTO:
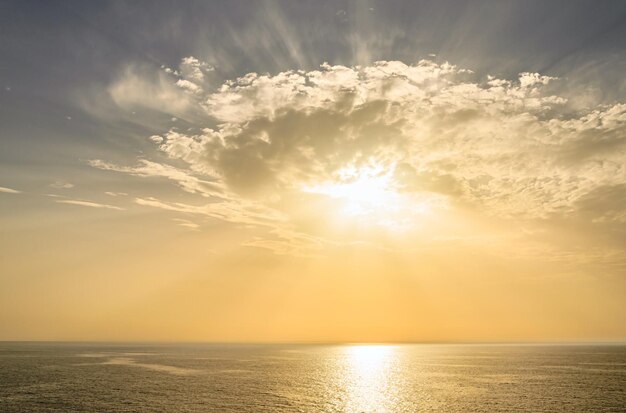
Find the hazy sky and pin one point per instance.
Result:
(313, 170)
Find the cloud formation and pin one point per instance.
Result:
(503, 144)
(510, 148)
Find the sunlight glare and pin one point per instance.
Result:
(364, 190)
(369, 377)
(370, 195)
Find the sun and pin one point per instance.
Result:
(364, 190)
(369, 356)
(372, 196)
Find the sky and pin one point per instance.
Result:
(313, 171)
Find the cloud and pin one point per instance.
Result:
(278, 235)
(186, 223)
(137, 86)
(527, 79)
(183, 178)
(604, 204)
(238, 212)
(190, 86)
(502, 144)
(193, 70)
(61, 185)
(9, 190)
(88, 204)
(508, 148)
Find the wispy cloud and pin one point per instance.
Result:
(88, 204)
(186, 223)
(185, 179)
(279, 235)
(9, 190)
(61, 185)
(235, 212)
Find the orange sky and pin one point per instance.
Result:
(384, 196)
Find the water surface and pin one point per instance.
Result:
(45, 377)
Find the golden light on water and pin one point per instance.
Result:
(368, 378)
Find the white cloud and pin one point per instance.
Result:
(527, 79)
(192, 74)
(193, 69)
(500, 144)
(136, 86)
(506, 147)
(87, 204)
(185, 84)
(9, 190)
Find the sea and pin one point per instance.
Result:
(79, 377)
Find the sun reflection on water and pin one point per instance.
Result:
(368, 378)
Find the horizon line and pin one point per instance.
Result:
(324, 342)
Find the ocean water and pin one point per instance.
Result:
(38, 377)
